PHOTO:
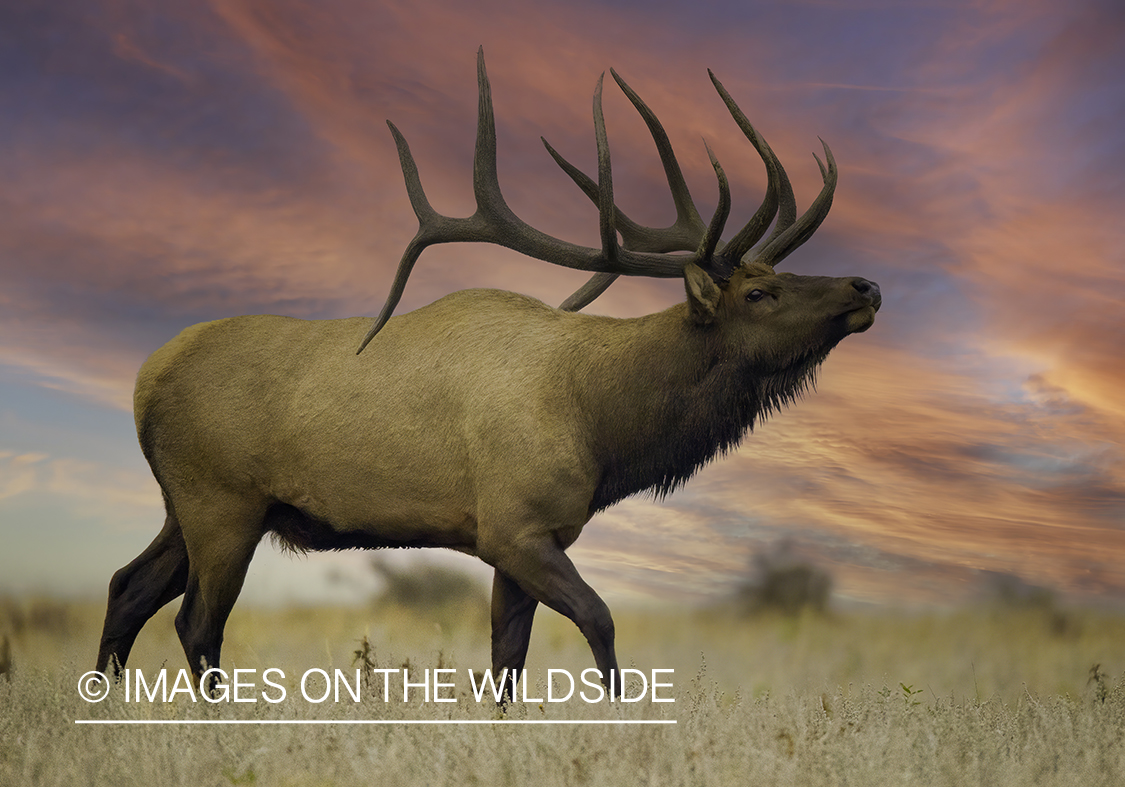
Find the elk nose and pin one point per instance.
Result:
(868, 288)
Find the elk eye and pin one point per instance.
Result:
(754, 295)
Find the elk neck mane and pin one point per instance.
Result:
(718, 398)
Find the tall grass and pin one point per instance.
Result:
(996, 697)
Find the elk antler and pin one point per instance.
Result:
(685, 233)
(644, 252)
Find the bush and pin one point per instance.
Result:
(1009, 593)
(1009, 590)
(430, 588)
(782, 581)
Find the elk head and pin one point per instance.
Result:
(736, 277)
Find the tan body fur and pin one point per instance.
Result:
(486, 422)
(428, 436)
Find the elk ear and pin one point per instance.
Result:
(702, 294)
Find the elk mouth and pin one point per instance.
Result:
(859, 320)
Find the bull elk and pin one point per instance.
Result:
(486, 422)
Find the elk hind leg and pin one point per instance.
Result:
(220, 544)
(137, 591)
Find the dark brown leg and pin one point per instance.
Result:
(137, 591)
(542, 572)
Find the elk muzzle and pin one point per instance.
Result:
(870, 299)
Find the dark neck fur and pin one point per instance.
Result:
(697, 418)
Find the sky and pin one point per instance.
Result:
(167, 164)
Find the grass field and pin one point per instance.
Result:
(991, 697)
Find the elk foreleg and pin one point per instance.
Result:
(512, 613)
(541, 571)
(137, 591)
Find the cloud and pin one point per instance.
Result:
(106, 380)
(112, 493)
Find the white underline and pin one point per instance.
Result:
(373, 721)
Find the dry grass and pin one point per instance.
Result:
(994, 697)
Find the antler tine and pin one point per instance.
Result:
(777, 183)
(610, 216)
(427, 216)
(786, 206)
(777, 249)
(599, 282)
(710, 239)
(606, 212)
(588, 292)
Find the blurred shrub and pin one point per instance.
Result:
(782, 581)
(1009, 590)
(43, 615)
(438, 591)
(1009, 593)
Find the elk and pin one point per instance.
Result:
(486, 422)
